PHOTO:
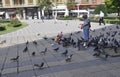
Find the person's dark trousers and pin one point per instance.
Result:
(101, 20)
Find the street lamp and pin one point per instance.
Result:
(55, 15)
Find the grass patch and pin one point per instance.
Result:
(112, 21)
(11, 29)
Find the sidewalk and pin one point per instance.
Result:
(83, 64)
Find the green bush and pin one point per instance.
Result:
(4, 20)
(15, 23)
(113, 21)
(66, 18)
(112, 17)
(2, 27)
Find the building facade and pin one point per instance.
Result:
(23, 9)
(28, 9)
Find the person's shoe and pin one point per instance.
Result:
(84, 44)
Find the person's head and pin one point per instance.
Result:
(84, 16)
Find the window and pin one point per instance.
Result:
(18, 2)
(94, 1)
(30, 1)
(7, 2)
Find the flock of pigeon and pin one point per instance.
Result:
(103, 40)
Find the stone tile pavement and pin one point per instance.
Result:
(83, 64)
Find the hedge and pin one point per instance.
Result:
(2, 27)
(14, 23)
(4, 20)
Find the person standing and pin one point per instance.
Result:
(86, 27)
(42, 18)
(101, 20)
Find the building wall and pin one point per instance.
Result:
(11, 4)
(30, 8)
(30, 3)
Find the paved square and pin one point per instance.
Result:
(83, 64)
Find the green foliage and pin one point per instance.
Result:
(110, 7)
(113, 18)
(102, 8)
(110, 20)
(11, 29)
(18, 10)
(113, 6)
(116, 3)
(113, 22)
(4, 20)
(14, 23)
(70, 4)
(45, 3)
(66, 18)
(2, 27)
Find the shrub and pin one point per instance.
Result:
(2, 27)
(113, 22)
(15, 23)
(4, 20)
(66, 18)
(112, 17)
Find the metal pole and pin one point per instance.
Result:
(78, 7)
(55, 16)
(78, 10)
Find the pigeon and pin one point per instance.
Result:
(106, 56)
(53, 39)
(33, 53)
(65, 53)
(40, 66)
(3, 41)
(56, 49)
(38, 34)
(25, 49)
(34, 42)
(15, 59)
(117, 27)
(44, 51)
(68, 59)
(45, 38)
(27, 42)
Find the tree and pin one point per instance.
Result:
(102, 8)
(110, 7)
(70, 4)
(116, 3)
(44, 4)
(55, 2)
(113, 6)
